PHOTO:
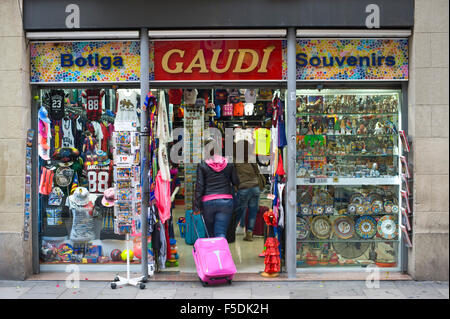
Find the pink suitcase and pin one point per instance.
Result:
(213, 260)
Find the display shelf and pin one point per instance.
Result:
(395, 180)
(350, 155)
(347, 114)
(354, 135)
(320, 241)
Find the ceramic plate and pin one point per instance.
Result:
(302, 228)
(366, 227)
(344, 227)
(321, 227)
(387, 227)
(388, 205)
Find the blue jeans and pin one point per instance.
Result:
(248, 198)
(217, 215)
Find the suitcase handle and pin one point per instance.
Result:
(203, 220)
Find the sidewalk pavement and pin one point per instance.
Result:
(238, 290)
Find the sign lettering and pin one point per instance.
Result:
(218, 59)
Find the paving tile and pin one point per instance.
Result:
(346, 291)
(380, 293)
(81, 293)
(232, 293)
(156, 294)
(12, 292)
(277, 292)
(347, 297)
(419, 290)
(194, 293)
(46, 296)
(309, 293)
(14, 283)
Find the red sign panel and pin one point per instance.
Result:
(218, 60)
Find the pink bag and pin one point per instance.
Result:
(213, 260)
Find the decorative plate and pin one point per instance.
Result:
(351, 209)
(376, 207)
(395, 209)
(366, 227)
(357, 198)
(388, 206)
(329, 209)
(318, 210)
(387, 227)
(302, 228)
(305, 209)
(360, 209)
(344, 227)
(321, 227)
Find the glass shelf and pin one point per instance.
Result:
(347, 240)
(394, 180)
(349, 155)
(347, 114)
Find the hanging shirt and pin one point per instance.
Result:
(93, 103)
(56, 104)
(54, 220)
(262, 141)
(250, 96)
(163, 194)
(99, 178)
(221, 96)
(105, 140)
(98, 133)
(127, 105)
(68, 139)
(190, 96)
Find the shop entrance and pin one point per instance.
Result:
(77, 149)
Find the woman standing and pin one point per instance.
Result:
(248, 192)
(214, 191)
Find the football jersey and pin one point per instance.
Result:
(68, 140)
(93, 103)
(227, 110)
(175, 96)
(221, 96)
(262, 141)
(99, 178)
(235, 96)
(56, 104)
(238, 109)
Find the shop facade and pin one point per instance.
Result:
(348, 200)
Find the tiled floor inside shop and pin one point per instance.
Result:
(245, 253)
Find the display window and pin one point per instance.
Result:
(79, 181)
(348, 181)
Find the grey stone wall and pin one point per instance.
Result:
(429, 127)
(15, 261)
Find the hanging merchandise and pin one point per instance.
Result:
(127, 109)
(81, 207)
(93, 103)
(55, 101)
(44, 135)
(272, 260)
(262, 141)
(163, 194)
(190, 96)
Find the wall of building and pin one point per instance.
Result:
(15, 261)
(429, 127)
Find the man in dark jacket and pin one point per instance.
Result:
(248, 191)
(214, 193)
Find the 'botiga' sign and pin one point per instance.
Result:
(217, 60)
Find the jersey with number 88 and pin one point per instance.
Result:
(99, 178)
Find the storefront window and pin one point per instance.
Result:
(348, 178)
(78, 183)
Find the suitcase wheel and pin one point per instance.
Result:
(204, 283)
(229, 281)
